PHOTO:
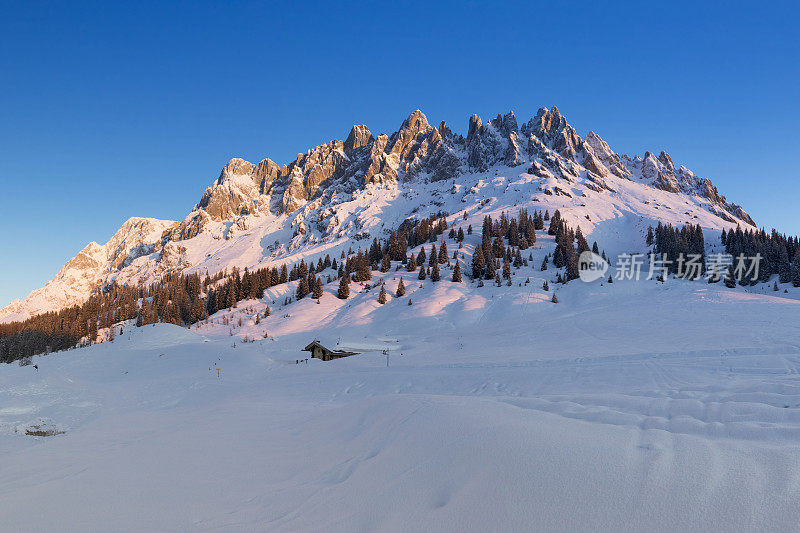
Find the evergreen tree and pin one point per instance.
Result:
(457, 273)
(506, 269)
(422, 273)
(363, 272)
(554, 299)
(344, 288)
(583, 246)
(198, 311)
(730, 278)
(478, 262)
(302, 288)
(555, 222)
(317, 292)
(412, 264)
(435, 276)
(490, 268)
(401, 289)
(382, 295)
(796, 269)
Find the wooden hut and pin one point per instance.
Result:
(320, 352)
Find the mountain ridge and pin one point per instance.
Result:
(325, 198)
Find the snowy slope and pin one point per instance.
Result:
(341, 192)
(630, 406)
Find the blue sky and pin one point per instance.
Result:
(113, 110)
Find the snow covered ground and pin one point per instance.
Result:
(630, 406)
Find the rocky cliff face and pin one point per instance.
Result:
(305, 197)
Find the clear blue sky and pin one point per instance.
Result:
(112, 109)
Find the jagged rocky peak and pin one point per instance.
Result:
(496, 141)
(359, 136)
(552, 129)
(601, 159)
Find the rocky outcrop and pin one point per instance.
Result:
(359, 136)
(603, 157)
(552, 129)
(496, 142)
(660, 172)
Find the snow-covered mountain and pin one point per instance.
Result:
(91, 268)
(341, 192)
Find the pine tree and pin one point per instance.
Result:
(198, 311)
(422, 273)
(382, 295)
(730, 278)
(302, 288)
(490, 268)
(506, 270)
(344, 288)
(317, 292)
(545, 286)
(583, 246)
(650, 238)
(796, 269)
(457, 273)
(435, 276)
(401, 289)
(478, 262)
(554, 299)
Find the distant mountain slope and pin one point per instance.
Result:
(90, 268)
(341, 192)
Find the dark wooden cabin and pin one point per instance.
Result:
(320, 352)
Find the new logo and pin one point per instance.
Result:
(591, 266)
